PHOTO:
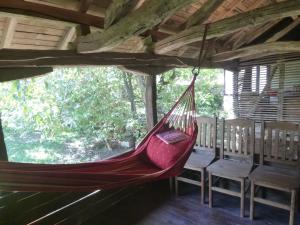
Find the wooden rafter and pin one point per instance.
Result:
(202, 14)
(8, 32)
(69, 35)
(229, 25)
(146, 70)
(83, 8)
(11, 57)
(259, 50)
(284, 31)
(54, 12)
(249, 34)
(117, 10)
(147, 16)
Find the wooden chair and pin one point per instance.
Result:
(236, 157)
(203, 154)
(279, 164)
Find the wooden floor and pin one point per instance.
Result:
(150, 204)
(155, 206)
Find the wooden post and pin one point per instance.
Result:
(3, 152)
(281, 91)
(236, 94)
(150, 100)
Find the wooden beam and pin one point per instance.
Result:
(3, 151)
(229, 25)
(284, 31)
(202, 14)
(68, 37)
(150, 100)
(85, 5)
(8, 32)
(147, 16)
(118, 9)
(259, 50)
(8, 74)
(83, 8)
(54, 12)
(13, 57)
(249, 34)
(147, 70)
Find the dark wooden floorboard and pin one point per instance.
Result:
(155, 206)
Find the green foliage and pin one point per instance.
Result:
(208, 90)
(76, 114)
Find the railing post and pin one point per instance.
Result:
(3, 152)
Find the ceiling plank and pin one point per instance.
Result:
(249, 34)
(202, 14)
(55, 12)
(144, 18)
(68, 37)
(258, 50)
(284, 31)
(229, 25)
(9, 74)
(118, 9)
(8, 32)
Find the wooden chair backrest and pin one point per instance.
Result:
(207, 134)
(237, 138)
(280, 143)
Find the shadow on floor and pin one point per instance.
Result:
(154, 205)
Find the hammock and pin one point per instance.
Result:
(152, 160)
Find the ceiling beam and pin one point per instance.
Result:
(258, 50)
(13, 57)
(68, 37)
(8, 32)
(54, 12)
(83, 8)
(146, 71)
(9, 74)
(229, 25)
(202, 14)
(284, 31)
(246, 36)
(118, 9)
(150, 14)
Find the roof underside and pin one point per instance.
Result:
(152, 26)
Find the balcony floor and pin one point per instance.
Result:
(154, 205)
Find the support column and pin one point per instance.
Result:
(3, 152)
(150, 100)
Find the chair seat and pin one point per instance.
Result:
(230, 168)
(199, 160)
(278, 177)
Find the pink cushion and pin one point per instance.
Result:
(165, 155)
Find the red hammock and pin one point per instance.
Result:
(151, 160)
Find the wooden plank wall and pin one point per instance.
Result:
(268, 92)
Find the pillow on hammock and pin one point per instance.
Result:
(165, 155)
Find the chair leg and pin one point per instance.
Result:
(252, 200)
(293, 207)
(242, 212)
(210, 196)
(176, 187)
(203, 186)
(171, 184)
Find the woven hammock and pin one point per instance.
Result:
(152, 160)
